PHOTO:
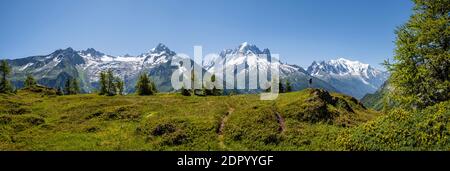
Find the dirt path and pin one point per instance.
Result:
(222, 126)
(280, 121)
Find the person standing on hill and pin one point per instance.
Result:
(310, 82)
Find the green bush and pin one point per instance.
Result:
(403, 130)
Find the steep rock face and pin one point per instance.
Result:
(350, 77)
(50, 70)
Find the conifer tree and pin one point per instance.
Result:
(68, 87)
(5, 70)
(30, 81)
(281, 87)
(102, 82)
(75, 87)
(288, 86)
(153, 86)
(119, 85)
(192, 89)
(71, 86)
(215, 91)
(420, 74)
(110, 83)
(144, 85)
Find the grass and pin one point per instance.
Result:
(307, 120)
(427, 129)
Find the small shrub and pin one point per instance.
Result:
(162, 129)
(93, 115)
(175, 138)
(403, 130)
(92, 129)
(342, 104)
(34, 120)
(5, 119)
(19, 111)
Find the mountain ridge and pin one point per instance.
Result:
(54, 68)
(351, 77)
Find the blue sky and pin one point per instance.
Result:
(301, 31)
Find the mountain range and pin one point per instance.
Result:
(350, 77)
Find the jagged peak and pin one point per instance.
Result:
(127, 55)
(68, 49)
(266, 51)
(343, 66)
(92, 52)
(246, 47)
(348, 62)
(160, 48)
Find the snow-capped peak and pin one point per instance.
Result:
(247, 48)
(342, 66)
(161, 48)
(158, 55)
(352, 64)
(349, 73)
(244, 49)
(244, 46)
(91, 52)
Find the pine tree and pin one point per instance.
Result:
(153, 86)
(71, 86)
(215, 91)
(206, 90)
(5, 85)
(75, 87)
(288, 86)
(68, 87)
(119, 85)
(30, 81)
(110, 85)
(420, 73)
(102, 82)
(192, 89)
(144, 85)
(281, 87)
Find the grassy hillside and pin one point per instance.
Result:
(427, 129)
(311, 119)
(380, 98)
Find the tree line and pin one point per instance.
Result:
(110, 85)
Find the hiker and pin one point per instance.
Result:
(310, 82)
